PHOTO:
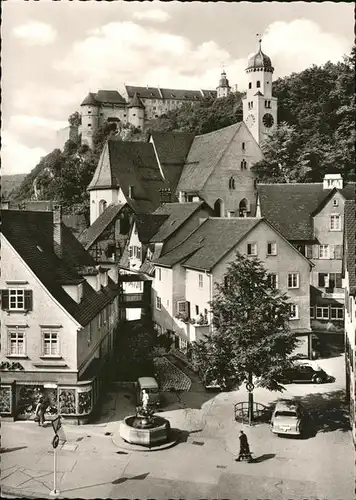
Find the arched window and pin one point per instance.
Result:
(102, 206)
(250, 85)
(231, 183)
(243, 146)
(243, 208)
(218, 208)
(258, 84)
(243, 165)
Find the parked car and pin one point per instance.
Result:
(289, 418)
(150, 385)
(307, 371)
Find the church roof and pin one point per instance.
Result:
(135, 102)
(259, 61)
(300, 201)
(204, 155)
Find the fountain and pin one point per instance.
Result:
(145, 428)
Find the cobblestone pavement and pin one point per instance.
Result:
(170, 377)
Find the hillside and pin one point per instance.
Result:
(10, 183)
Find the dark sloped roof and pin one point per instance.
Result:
(109, 96)
(31, 235)
(135, 102)
(148, 224)
(90, 100)
(172, 149)
(177, 214)
(204, 248)
(171, 94)
(145, 92)
(203, 157)
(90, 235)
(350, 240)
(289, 207)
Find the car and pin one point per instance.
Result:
(289, 418)
(150, 385)
(307, 371)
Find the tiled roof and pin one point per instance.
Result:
(147, 225)
(205, 153)
(171, 94)
(177, 214)
(172, 149)
(31, 235)
(299, 202)
(90, 100)
(131, 164)
(135, 102)
(109, 96)
(350, 240)
(90, 235)
(204, 248)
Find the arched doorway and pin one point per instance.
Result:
(102, 206)
(243, 206)
(219, 208)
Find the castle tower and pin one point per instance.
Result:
(224, 89)
(259, 107)
(136, 112)
(90, 118)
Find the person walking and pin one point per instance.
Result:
(40, 412)
(244, 448)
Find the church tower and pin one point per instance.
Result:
(224, 89)
(259, 107)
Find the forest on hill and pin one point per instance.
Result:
(316, 134)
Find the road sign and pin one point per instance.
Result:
(250, 387)
(56, 424)
(55, 441)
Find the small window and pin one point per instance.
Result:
(89, 124)
(197, 310)
(335, 202)
(322, 313)
(294, 312)
(337, 313)
(323, 251)
(273, 280)
(231, 183)
(16, 342)
(243, 146)
(258, 84)
(271, 248)
(50, 343)
(16, 299)
(159, 272)
(243, 165)
(201, 282)
(335, 222)
(251, 248)
(250, 85)
(181, 306)
(311, 312)
(158, 303)
(205, 312)
(293, 280)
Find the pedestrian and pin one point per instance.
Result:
(244, 447)
(40, 412)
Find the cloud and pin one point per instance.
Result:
(155, 15)
(16, 157)
(35, 33)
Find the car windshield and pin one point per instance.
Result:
(151, 391)
(286, 413)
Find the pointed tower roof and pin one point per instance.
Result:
(90, 100)
(136, 102)
(260, 60)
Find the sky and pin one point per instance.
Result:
(55, 52)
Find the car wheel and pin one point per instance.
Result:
(318, 380)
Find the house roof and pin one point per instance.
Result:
(171, 94)
(90, 100)
(350, 240)
(297, 200)
(31, 235)
(103, 97)
(147, 225)
(204, 155)
(135, 102)
(177, 214)
(130, 164)
(204, 248)
(172, 149)
(89, 236)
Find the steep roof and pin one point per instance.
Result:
(171, 94)
(297, 200)
(148, 224)
(135, 102)
(350, 240)
(177, 214)
(172, 149)
(204, 155)
(130, 164)
(103, 97)
(89, 236)
(31, 235)
(204, 248)
(90, 100)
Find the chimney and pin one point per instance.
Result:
(131, 192)
(57, 230)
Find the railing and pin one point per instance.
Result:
(261, 413)
(132, 297)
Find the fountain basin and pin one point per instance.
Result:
(154, 435)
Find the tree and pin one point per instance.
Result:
(251, 335)
(75, 119)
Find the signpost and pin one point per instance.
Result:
(57, 426)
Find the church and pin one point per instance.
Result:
(213, 167)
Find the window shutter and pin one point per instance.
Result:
(315, 250)
(332, 251)
(28, 300)
(309, 253)
(4, 299)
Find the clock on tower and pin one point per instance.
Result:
(250, 120)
